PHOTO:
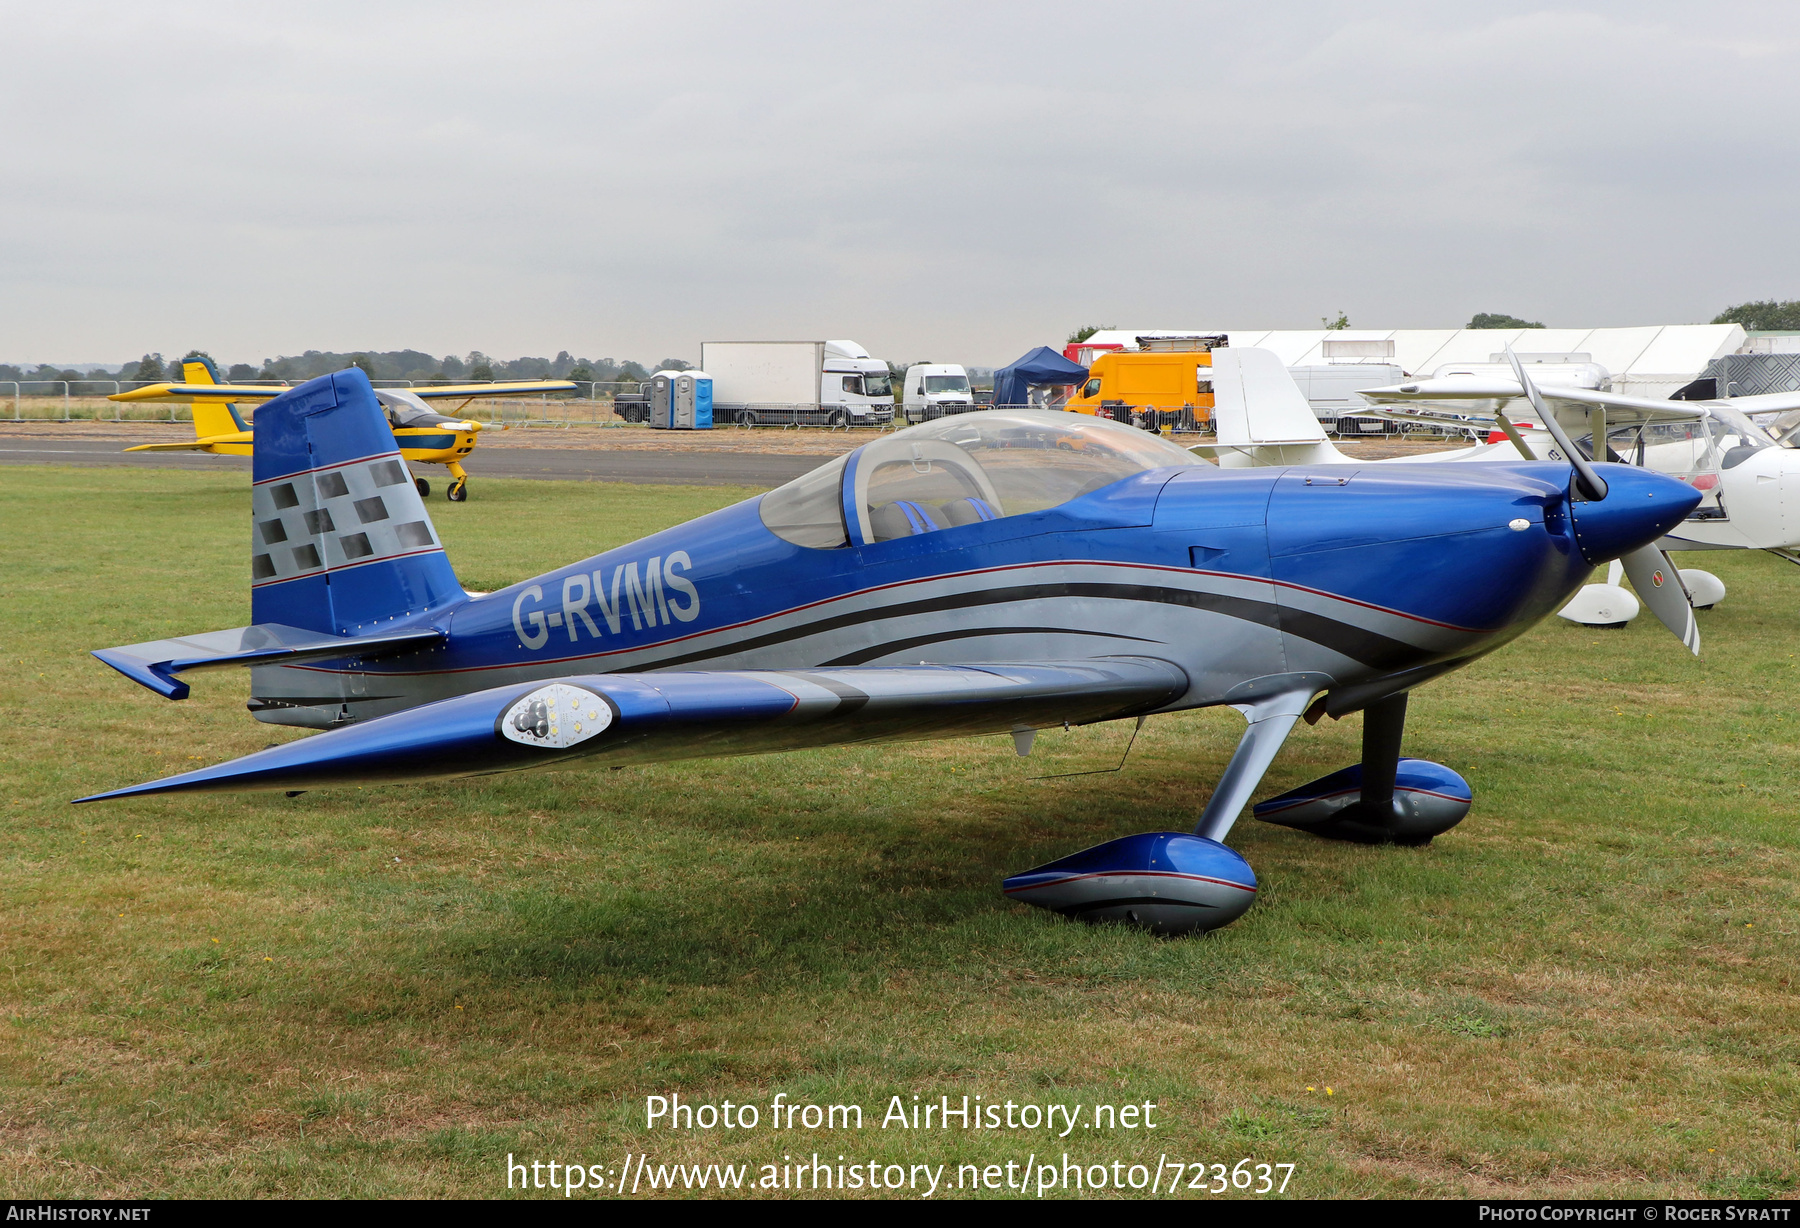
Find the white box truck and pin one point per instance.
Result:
(828, 383)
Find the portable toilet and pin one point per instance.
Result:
(662, 399)
(692, 402)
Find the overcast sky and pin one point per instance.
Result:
(943, 181)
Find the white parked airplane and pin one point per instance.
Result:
(1750, 483)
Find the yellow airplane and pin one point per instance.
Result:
(422, 433)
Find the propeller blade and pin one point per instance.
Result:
(1591, 483)
(1658, 584)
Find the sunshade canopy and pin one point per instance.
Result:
(1041, 366)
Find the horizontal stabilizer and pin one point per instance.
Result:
(190, 445)
(654, 717)
(156, 663)
(1236, 456)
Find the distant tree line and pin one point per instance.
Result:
(1763, 316)
(1499, 319)
(414, 365)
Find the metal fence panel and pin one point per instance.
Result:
(1748, 375)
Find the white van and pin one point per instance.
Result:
(934, 389)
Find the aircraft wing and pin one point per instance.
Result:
(186, 393)
(1764, 403)
(517, 388)
(155, 664)
(616, 719)
(1468, 416)
(1468, 402)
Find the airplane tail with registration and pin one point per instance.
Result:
(345, 563)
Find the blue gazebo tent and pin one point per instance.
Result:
(1041, 366)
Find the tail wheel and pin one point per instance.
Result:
(424, 487)
(459, 491)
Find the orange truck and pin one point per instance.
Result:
(1152, 387)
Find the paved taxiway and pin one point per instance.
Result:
(761, 459)
(687, 467)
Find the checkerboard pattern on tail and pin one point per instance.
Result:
(340, 539)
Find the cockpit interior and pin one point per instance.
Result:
(958, 471)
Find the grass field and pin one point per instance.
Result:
(1585, 989)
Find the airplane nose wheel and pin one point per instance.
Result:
(424, 487)
(459, 491)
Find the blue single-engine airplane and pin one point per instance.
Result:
(999, 572)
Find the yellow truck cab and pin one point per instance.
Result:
(1159, 385)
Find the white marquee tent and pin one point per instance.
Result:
(1650, 361)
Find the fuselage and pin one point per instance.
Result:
(1376, 580)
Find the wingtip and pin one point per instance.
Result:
(183, 782)
(168, 784)
(108, 796)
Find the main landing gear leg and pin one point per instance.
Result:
(1270, 720)
(1384, 724)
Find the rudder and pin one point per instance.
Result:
(1257, 401)
(340, 540)
(1260, 416)
(210, 417)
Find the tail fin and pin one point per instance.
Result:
(340, 540)
(1260, 414)
(210, 419)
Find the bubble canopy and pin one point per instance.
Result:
(961, 470)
